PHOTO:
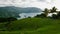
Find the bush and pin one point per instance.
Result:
(54, 16)
(7, 19)
(41, 15)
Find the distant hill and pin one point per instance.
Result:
(11, 11)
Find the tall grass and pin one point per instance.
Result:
(32, 23)
(33, 26)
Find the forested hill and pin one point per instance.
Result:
(11, 11)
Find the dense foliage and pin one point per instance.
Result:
(47, 11)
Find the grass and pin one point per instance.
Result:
(33, 26)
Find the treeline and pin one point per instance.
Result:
(5, 22)
(51, 13)
(7, 19)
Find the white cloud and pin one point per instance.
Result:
(31, 3)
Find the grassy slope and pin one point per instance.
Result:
(35, 26)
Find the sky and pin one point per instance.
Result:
(31, 3)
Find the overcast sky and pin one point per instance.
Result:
(31, 3)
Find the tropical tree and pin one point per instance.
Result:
(46, 11)
(53, 9)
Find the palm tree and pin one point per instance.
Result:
(53, 9)
(46, 11)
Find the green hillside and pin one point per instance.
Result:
(33, 26)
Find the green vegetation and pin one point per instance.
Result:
(33, 26)
(53, 12)
(12, 11)
(40, 24)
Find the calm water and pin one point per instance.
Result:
(25, 15)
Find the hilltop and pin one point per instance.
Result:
(34, 26)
